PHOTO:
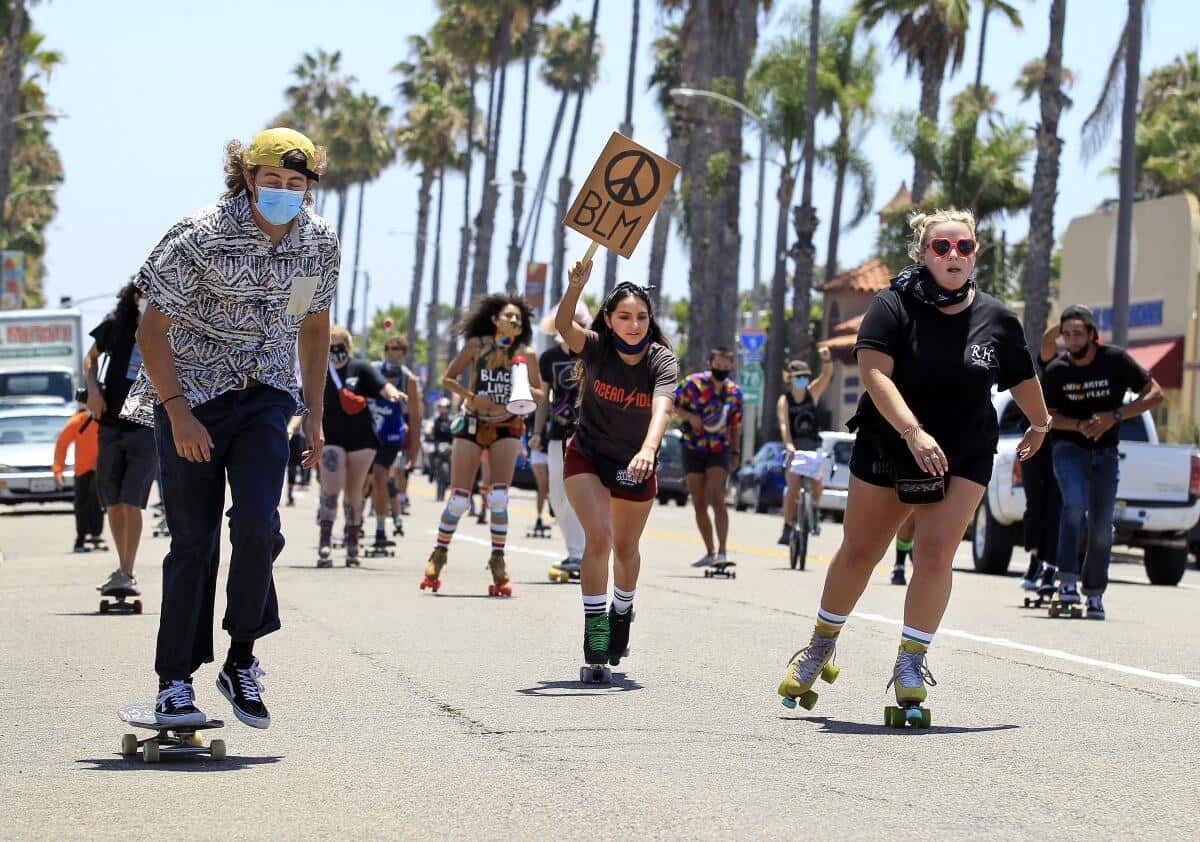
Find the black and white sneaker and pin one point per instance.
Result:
(242, 687)
(1030, 582)
(176, 705)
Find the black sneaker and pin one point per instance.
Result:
(596, 637)
(241, 686)
(898, 575)
(1095, 607)
(618, 642)
(1030, 583)
(79, 546)
(176, 704)
(786, 537)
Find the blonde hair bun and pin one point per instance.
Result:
(922, 223)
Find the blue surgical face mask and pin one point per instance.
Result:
(278, 206)
(800, 382)
(625, 348)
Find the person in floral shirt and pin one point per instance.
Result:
(710, 406)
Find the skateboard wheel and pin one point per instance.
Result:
(217, 749)
(128, 745)
(104, 606)
(829, 673)
(733, 575)
(137, 606)
(150, 752)
(808, 700)
(707, 574)
(788, 702)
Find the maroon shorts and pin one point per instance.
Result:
(611, 474)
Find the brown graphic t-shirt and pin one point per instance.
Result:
(616, 406)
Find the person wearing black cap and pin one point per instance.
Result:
(235, 292)
(1085, 392)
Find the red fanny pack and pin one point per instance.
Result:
(351, 403)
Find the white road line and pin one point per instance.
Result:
(1002, 642)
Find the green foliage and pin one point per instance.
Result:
(716, 172)
(1167, 144)
(377, 333)
(566, 66)
(667, 73)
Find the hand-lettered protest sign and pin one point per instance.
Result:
(616, 203)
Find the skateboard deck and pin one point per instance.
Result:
(169, 739)
(119, 603)
(723, 569)
(595, 674)
(558, 574)
(1073, 611)
(538, 530)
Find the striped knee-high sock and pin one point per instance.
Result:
(456, 507)
(829, 624)
(499, 520)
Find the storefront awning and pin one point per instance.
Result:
(1162, 358)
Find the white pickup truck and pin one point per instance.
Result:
(1158, 498)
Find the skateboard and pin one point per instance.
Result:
(1057, 609)
(379, 550)
(1041, 600)
(95, 542)
(119, 604)
(595, 674)
(910, 714)
(180, 739)
(539, 530)
(160, 529)
(559, 574)
(721, 569)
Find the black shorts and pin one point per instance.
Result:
(697, 462)
(485, 434)
(871, 463)
(126, 465)
(386, 455)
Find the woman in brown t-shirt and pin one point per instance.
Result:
(627, 392)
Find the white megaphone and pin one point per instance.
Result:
(520, 401)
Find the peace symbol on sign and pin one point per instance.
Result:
(621, 178)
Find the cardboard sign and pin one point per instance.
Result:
(616, 203)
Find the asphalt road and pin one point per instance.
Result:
(402, 714)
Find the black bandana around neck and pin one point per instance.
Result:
(918, 281)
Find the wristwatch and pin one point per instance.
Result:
(1117, 415)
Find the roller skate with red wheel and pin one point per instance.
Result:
(433, 569)
(499, 586)
(909, 677)
(814, 660)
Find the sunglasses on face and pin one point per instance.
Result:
(941, 246)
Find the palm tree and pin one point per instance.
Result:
(1045, 182)
(929, 34)
(558, 268)
(804, 251)
(1125, 67)
(320, 82)
(665, 77)
(851, 79)
(1168, 135)
(14, 25)
(570, 63)
(610, 262)
(429, 136)
(718, 40)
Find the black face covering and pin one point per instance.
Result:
(339, 354)
(720, 374)
(919, 282)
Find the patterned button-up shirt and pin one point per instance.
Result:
(235, 302)
(719, 411)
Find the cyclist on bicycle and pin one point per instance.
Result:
(797, 414)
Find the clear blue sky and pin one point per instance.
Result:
(153, 90)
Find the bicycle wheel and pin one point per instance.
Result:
(800, 540)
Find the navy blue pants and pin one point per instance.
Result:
(250, 451)
(1088, 480)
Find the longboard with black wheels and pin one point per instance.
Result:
(119, 603)
(169, 740)
(721, 570)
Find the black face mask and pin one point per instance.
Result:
(919, 282)
(719, 374)
(339, 354)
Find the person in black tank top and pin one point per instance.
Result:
(797, 415)
(497, 331)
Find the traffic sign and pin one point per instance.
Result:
(752, 340)
(751, 378)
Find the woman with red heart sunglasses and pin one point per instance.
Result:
(930, 350)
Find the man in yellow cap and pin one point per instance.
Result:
(235, 292)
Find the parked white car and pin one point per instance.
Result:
(27, 437)
(1158, 498)
(836, 480)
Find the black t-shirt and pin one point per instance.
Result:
(1081, 391)
(353, 432)
(945, 367)
(802, 421)
(557, 368)
(116, 337)
(618, 398)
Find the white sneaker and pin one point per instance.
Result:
(722, 558)
(704, 561)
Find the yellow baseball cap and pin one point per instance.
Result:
(270, 147)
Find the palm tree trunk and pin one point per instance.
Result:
(564, 184)
(518, 175)
(805, 217)
(414, 301)
(539, 193)
(718, 40)
(362, 189)
(341, 224)
(12, 67)
(1045, 184)
(433, 314)
(932, 75)
(491, 193)
(610, 263)
(835, 215)
(983, 28)
(662, 227)
(1127, 177)
(777, 330)
(464, 251)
